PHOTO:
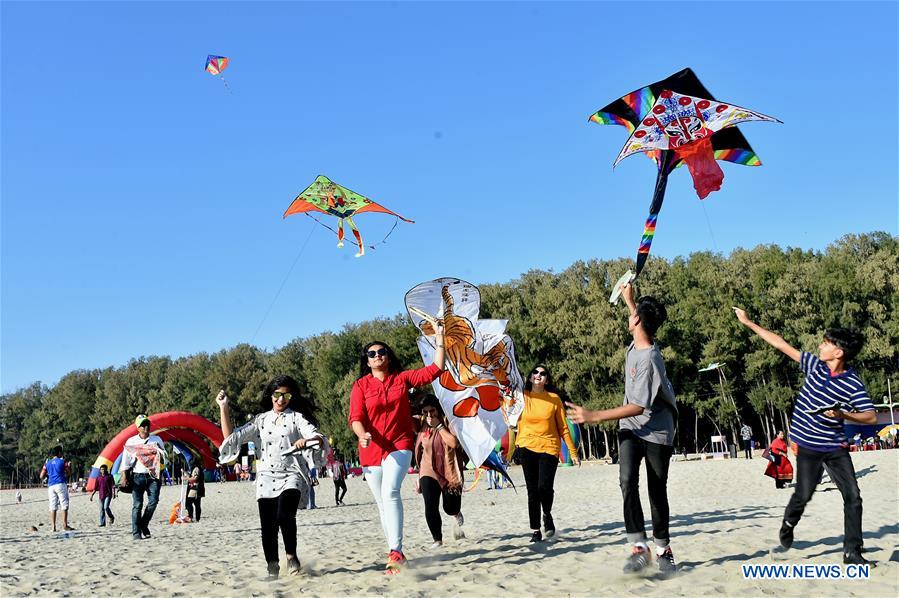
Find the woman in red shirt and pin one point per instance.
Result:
(381, 418)
(780, 467)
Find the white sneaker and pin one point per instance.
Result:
(458, 534)
(437, 544)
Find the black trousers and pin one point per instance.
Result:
(809, 465)
(194, 504)
(431, 492)
(657, 457)
(274, 513)
(747, 448)
(339, 490)
(539, 474)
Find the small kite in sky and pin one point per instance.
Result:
(327, 197)
(677, 121)
(215, 65)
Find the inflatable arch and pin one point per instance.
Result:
(188, 429)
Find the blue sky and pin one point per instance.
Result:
(142, 202)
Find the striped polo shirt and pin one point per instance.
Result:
(808, 427)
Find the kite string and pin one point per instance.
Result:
(718, 266)
(709, 224)
(283, 282)
(396, 221)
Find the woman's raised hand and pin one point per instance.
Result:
(222, 399)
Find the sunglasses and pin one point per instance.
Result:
(281, 395)
(372, 354)
(540, 373)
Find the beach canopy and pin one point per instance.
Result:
(888, 430)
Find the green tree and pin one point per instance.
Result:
(15, 408)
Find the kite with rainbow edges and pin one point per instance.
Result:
(215, 65)
(327, 197)
(676, 121)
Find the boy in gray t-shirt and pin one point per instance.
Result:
(647, 385)
(646, 420)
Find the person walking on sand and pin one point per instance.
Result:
(646, 424)
(541, 431)
(55, 470)
(313, 480)
(338, 472)
(142, 461)
(831, 394)
(196, 490)
(439, 470)
(746, 435)
(779, 466)
(279, 433)
(106, 488)
(381, 418)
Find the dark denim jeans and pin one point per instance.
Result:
(105, 510)
(140, 522)
(658, 457)
(809, 468)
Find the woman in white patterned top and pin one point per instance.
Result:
(282, 476)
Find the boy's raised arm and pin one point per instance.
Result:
(769, 337)
(627, 293)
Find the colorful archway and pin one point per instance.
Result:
(193, 441)
(191, 429)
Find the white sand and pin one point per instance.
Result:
(723, 514)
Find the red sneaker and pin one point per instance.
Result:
(395, 562)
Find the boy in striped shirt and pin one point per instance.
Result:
(831, 393)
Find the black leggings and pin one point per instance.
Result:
(452, 504)
(193, 503)
(338, 486)
(539, 474)
(279, 512)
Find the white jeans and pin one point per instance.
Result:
(385, 482)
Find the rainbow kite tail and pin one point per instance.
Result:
(649, 231)
(358, 237)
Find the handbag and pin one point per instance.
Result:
(766, 454)
(128, 486)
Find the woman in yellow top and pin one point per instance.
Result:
(541, 429)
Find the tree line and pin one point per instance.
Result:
(563, 320)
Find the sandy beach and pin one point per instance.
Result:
(724, 514)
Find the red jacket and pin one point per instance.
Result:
(383, 408)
